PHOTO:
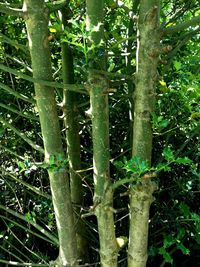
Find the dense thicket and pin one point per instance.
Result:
(28, 231)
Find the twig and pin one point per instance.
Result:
(16, 94)
(57, 5)
(5, 8)
(37, 226)
(179, 27)
(23, 264)
(25, 115)
(22, 135)
(72, 87)
(32, 188)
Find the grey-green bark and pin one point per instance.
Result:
(97, 84)
(144, 99)
(129, 68)
(70, 111)
(37, 16)
(103, 196)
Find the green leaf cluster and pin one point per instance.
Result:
(56, 163)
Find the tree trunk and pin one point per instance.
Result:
(129, 68)
(70, 110)
(98, 89)
(37, 27)
(144, 98)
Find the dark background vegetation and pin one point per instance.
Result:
(174, 238)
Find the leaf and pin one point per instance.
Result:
(163, 83)
(184, 160)
(28, 216)
(52, 160)
(52, 29)
(27, 163)
(111, 67)
(168, 241)
(21, 166)
(65, 161)
(122, 241)
(185, 209)
(165, 254)
(73, 22)
(158, 121)
(183, 249)
(177, 65)
(195, 217)
(195, 116)
(2, 234)
(168, 257)
(163, 167)
(59, 157)
(136, 165)
(170, 24)
(163, 123)
(168, 154)
(118, 164)
(181, 233)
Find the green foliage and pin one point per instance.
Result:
(174, 242)
(30, 216)
(159, 123)
(168, 154)
(166, 255)
(136, 166)
(56, 163)
(174, 219)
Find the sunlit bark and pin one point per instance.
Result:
(144, 99)
(97, 84)
(37, 15)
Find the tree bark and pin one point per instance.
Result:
(144, 99)
(70, 110)
(98, 89)
(37, 17)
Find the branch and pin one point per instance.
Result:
(57, 5)
(174, 29)
(37, 226)
(11, 152)
(22, 135)
(23, 64)
(123, 181)
(184, 40)
(30, 187)
(178, 14)
(15, 263)
(5, 8)
(196, 132)
(26, 229)
(72, 87)
(25, 115)
(5, 39)
(16, 94)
